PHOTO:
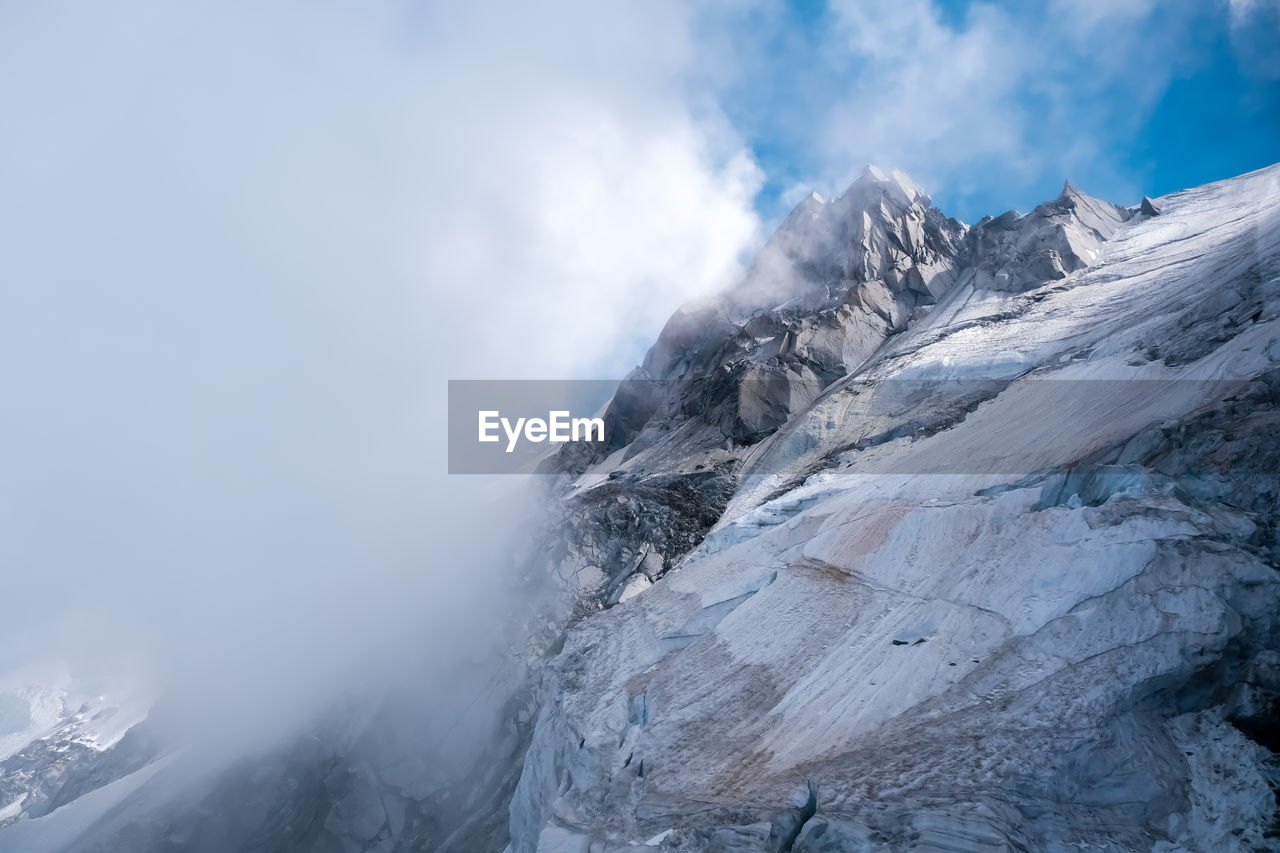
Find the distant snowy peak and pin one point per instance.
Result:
(58, 740)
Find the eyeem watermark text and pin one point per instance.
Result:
(558, 428)
(520, 426)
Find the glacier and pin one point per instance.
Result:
(1040, 617)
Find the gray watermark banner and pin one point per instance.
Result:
(501, 426)
(770, 423)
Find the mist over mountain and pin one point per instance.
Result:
(923, 535)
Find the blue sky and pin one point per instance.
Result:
(1125, 99)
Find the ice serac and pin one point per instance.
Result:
(1004, 579)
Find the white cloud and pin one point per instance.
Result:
(1255, 31)
(243, 246)
(1000, 98)
(926, 97)
(1241, 9)
(1086, 17)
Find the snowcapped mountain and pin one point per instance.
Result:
(1001, 577)
(926, 536)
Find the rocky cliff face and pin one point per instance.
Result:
(925, 536)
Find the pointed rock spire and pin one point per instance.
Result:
(874, 183)
(871, 174)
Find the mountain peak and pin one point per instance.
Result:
(896, 186)
(871, 174)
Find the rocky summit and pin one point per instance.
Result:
(925, 536)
